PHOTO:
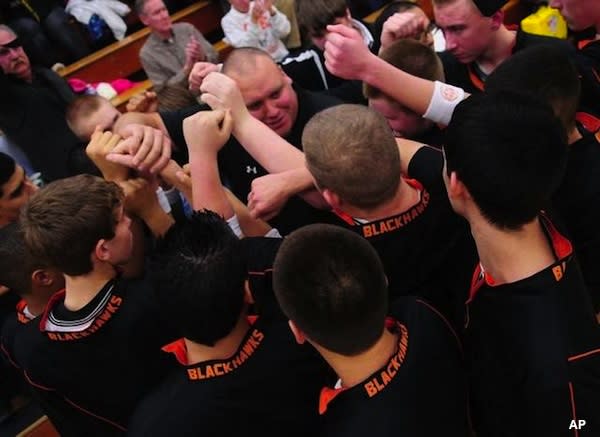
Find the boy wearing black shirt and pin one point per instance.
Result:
(237, 374)
(532, 340)
(398, 375)
(96, 348)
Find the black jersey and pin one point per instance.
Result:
(577, 201)
(426, 250)
(419, 392)
(238, 169)
(269, 385)
(533, 351)
(89, 368)
(470, 78)
(589, 68)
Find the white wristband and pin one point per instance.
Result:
(234, 224)
(443, 101)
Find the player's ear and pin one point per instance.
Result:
(298, 334)
(332, 198)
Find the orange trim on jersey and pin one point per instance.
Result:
(264, 272)
(584, 42)
(21, 317)
(573, 409)
(89, 413)
(590, 122)
(54, 299)
(178, 349)
(583, 355)
(561, 247)
(8, 357)
(475, 79)
(380, 379)
(326, 396)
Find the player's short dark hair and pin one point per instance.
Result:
(315, 15)
(546, 72)
(412, 57)
(63, 222)
(510, 151)
(351, 150)
(199, 276)
(7, 169)
(330, 282)
(16, 262)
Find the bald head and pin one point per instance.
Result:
(243, 61)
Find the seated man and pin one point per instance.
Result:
(256, 24)
(237, 375)
(32, 109)
(532, 341)
(419, 60)
(399, 365)
(96, 350)
(172, 48)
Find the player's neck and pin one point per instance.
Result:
(499, 50)
(81, 290)
(509, 256)
(354, 370)
(405, 198)
(224, 348)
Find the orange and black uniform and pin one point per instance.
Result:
(470, 77)
(91, 367)
(269, 384)
(577, 201)
(419, 392)
(426, 250)
(533, 351)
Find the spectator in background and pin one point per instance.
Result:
(44, 27)
(172, 48)
(32, 110)
(257, 24)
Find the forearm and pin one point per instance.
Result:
(251, 227)
(157, 220)
(270, 150)
(411, 91)
(207, 189)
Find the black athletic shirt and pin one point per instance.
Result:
(419, 392)
(270, 385)
(90, 368)
(470, 78)
(533, 351)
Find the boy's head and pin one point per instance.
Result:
(86, 112)
(414, 58)
(199, 275)
(545, 72)
(580, 14)
(330, 283)
(15, 189)
(315, 15)
(76, 223)
(470, 26)
(352, 156)
(240, 5)
(506, 154)
(20, 271)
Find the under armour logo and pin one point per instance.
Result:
(251, 169)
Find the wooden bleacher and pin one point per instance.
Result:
(121, 59)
